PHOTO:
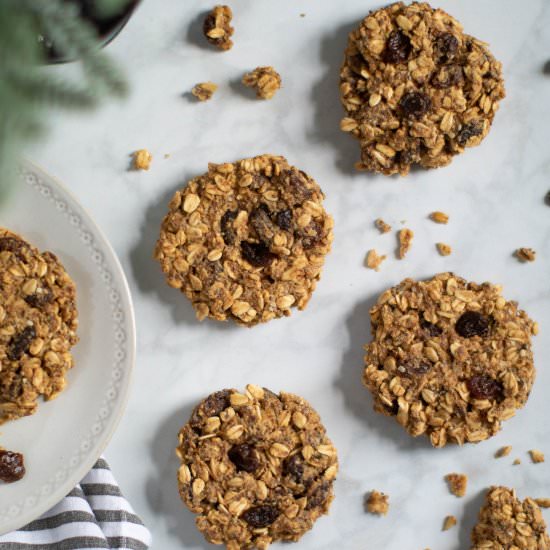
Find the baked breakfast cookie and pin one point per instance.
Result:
(506, 522)
(256, 467)
(38, 321)
(246, 241)
(416, 89)
(449, 358)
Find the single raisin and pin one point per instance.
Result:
(39, 299)
(468, 131)
(283, 219)
(293, 466)
(415, 104)
(256, 254)
(472, 323)
(414, 367)
(297, 182)
(430, 328)
(226, 227)
(484, 387)
(20, 342)
(317, 495)
(261, 516)
(217, 402)
(260, 220)
(398, 48)
(244, 457)
(12, 467)
(447, 76)
(446, 46)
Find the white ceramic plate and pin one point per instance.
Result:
(65, 437)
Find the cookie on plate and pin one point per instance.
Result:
(247, 240)
(38, 322)
(256, 467)
(449, 358)
(416, 89)
(506, 522)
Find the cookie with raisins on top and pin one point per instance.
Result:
(450, 359)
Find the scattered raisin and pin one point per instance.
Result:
(468, 131)
(261, 222)
(39, 299)
(244, 457)
(293, 466)
(430, 328)
(415, 104)
(297, 182)
(317, 495)
(226, 228)
(284, 219)
(256, 254)
(12, 467)
(261, 516)
(398, 48)
(472, 323)
(447, 76)
(484, 387)
(20, 342)
(217, 402)
(445, 47)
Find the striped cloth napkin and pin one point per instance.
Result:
(93, 516)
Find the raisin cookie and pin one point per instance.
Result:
(256, 467)
(416, 89)
(38, 322)
(246, 241)
(449, 358)
(506, 522)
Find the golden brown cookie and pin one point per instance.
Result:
(449, 358)
(416, 89)
(38, 321)
(506, 522)
(247, 240)
(256, 467)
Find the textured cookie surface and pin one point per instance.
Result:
(38, 321)
(256, 467)
(450, 359)
(416, 89)
(246, 241)
(506, 522)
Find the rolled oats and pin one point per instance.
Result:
(217, 27)
(449, 358)
(543, 502)
(536, 456)
(443, 249)
(265, 80)
(382, 226)
(439, 217)
(405, 237)
(38, 322)
(246, 241)
(503, 451)
(448, 522)
(506, 522)
(416, 89)
(525, 254)
(204, 90)
(378, 503)
(270, 483)
(373, 260)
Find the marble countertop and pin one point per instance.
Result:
(493, 193)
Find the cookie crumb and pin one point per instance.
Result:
(543, 502)
(525, 255)
(373, 260)
(302, 15)
(516, 462)
(204, 90)
(382, 226)
(141, 159)
(457, 484)
(536, 456)
(378, 503)
(439, 217)
(217, 27)
(405, 237)
(503, 451)
(265, 80)
(166, 155)
(443, 249)
(448, 522)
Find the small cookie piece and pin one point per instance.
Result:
(506, 522)
(217, 27)
(439, 217)
(378, 503)
(373, 260)
(428, 365)
(382, 226)
(443, 249)
(38, 322)
(204, 90)
(405, 237)
(458, 484)
(503, 451)
(416, 89)
(256, 467)
(265, 80)
(448, 522)
(141, 159)
(525, 255)
(246, 241)
(536, 456)
(516, 462)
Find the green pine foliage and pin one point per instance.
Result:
(27, 87)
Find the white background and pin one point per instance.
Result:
(493, 193)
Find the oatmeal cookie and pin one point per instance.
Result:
(265, 80)
(255, 467)
(38, 321)
(246, 241)
(416, 89)
(450, 359)
(506, 522)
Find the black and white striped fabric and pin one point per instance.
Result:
(93, 516)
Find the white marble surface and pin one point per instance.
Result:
(494, 194)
